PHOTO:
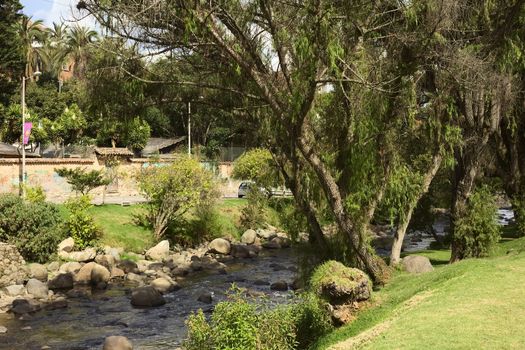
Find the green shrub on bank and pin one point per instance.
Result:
(80, 224)
(34, 228)
(241, 324)
(478, 231)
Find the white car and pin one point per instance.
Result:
(244, 187)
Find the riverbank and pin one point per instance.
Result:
(473, 304)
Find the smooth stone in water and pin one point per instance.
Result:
(279, 285)
(37, 288)
(159, 252)
(146, 296)
(205, 298)
(116, 342)
(219, 246)
(61, 281)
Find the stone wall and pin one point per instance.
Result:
(12, 266)
(40, 172)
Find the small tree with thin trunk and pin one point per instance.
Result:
(83, 181)
(172, 190)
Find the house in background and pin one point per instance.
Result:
(159, 146)
(10, 151)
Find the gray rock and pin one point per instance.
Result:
(266, 234)
(3, 330)
(61, 281)
(117, 273)
(37, 288)
(99, 274)
(205, 297)
(147, 297)
(219, 246)
(248, 237)
(85, 255)
(38, 271)
(244, 251)
(128, 266)
(53, 266)
(83, 276)
(163, 285)
(133, 277)
(417, 264)
(273, 244)
(117, 343)
(66, 245)
(279, 285)
(159, 252)
(15, 290)
(108, 261)
(72, 267)
(23, 306)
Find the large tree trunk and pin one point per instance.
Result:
(356, 236)
(293, 182)
(395, 255)
(466, 171)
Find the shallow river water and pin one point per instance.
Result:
(89, 319)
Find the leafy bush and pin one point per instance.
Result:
(80, 224)
(174, 189)
(241, 324)
(83, 181)
(291, 220)
(34, 228)
(477, 231)
(258, 166)
(35, 194)
(253, 213)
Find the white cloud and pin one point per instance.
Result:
(66, 11)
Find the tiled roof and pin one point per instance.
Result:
(155, 144)
(113, 151)
(10, 151)
(48, 161)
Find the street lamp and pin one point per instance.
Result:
(24, 78)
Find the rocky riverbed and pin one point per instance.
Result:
(90, 314)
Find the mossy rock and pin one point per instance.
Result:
(339, 284)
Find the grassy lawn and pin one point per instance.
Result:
(119, 229)
(473, 304)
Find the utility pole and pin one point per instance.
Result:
(23, 134)
(189, 128)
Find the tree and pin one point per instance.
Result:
(258, 166)
(174, 189)
(83, 181)
(31, 32)
(11, 54)
(78, 41)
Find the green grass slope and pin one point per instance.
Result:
(473, 304)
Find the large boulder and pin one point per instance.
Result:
(106, 260)
(61, 281)
(37, 288)
(83, 276)
(417, 264)
(38, 271)
(70, 267)
(15, 290)
(99, 274)
(249, 236)
(146, 297)
(128, 266)
(219, 246)
(159, 252)
(66, 245)
(244, 251)
(85, 255)
(339, 284)
(24, 306)
(117, 343)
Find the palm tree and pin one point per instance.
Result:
(78, 40)
(32, 33)
(55, 50)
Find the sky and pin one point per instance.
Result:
(53, 11)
